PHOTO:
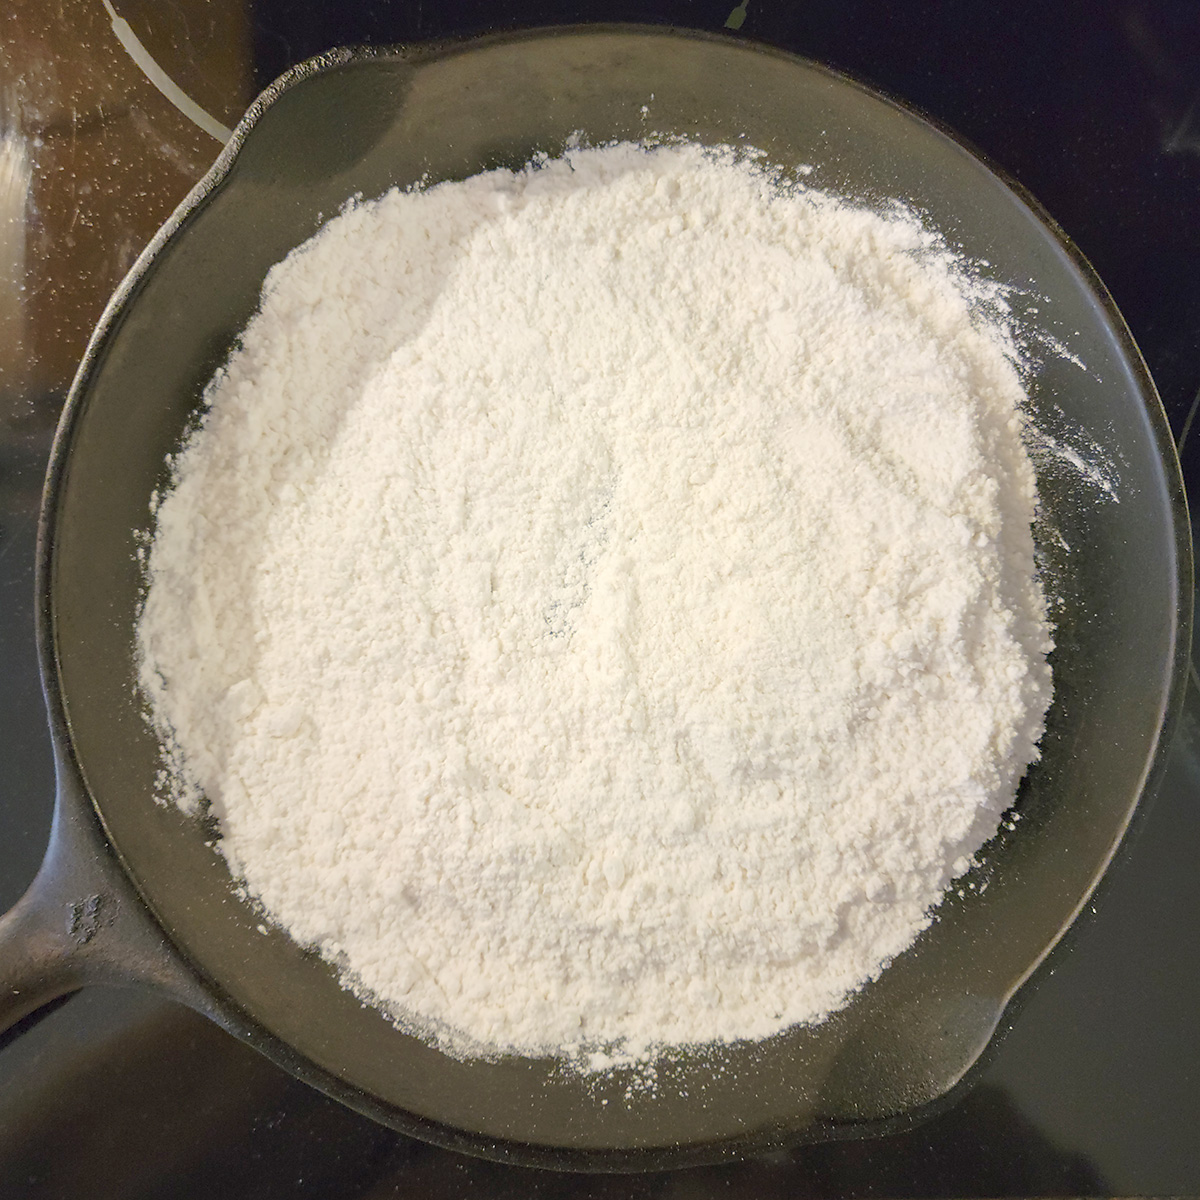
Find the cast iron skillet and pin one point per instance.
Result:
(134, 892)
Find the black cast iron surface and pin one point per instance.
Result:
(1097, 1086)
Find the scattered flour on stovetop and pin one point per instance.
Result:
(599, 604)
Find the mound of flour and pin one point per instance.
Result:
(599, 603)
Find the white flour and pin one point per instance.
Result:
(599, 604)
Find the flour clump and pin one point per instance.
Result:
(599, 603)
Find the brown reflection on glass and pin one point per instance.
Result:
(108, 158)
(204, 46)
(14, 196)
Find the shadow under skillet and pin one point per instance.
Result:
(89, 1111)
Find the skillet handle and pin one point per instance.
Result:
(82, 922)
(35, 961)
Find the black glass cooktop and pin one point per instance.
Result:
(111, 109)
